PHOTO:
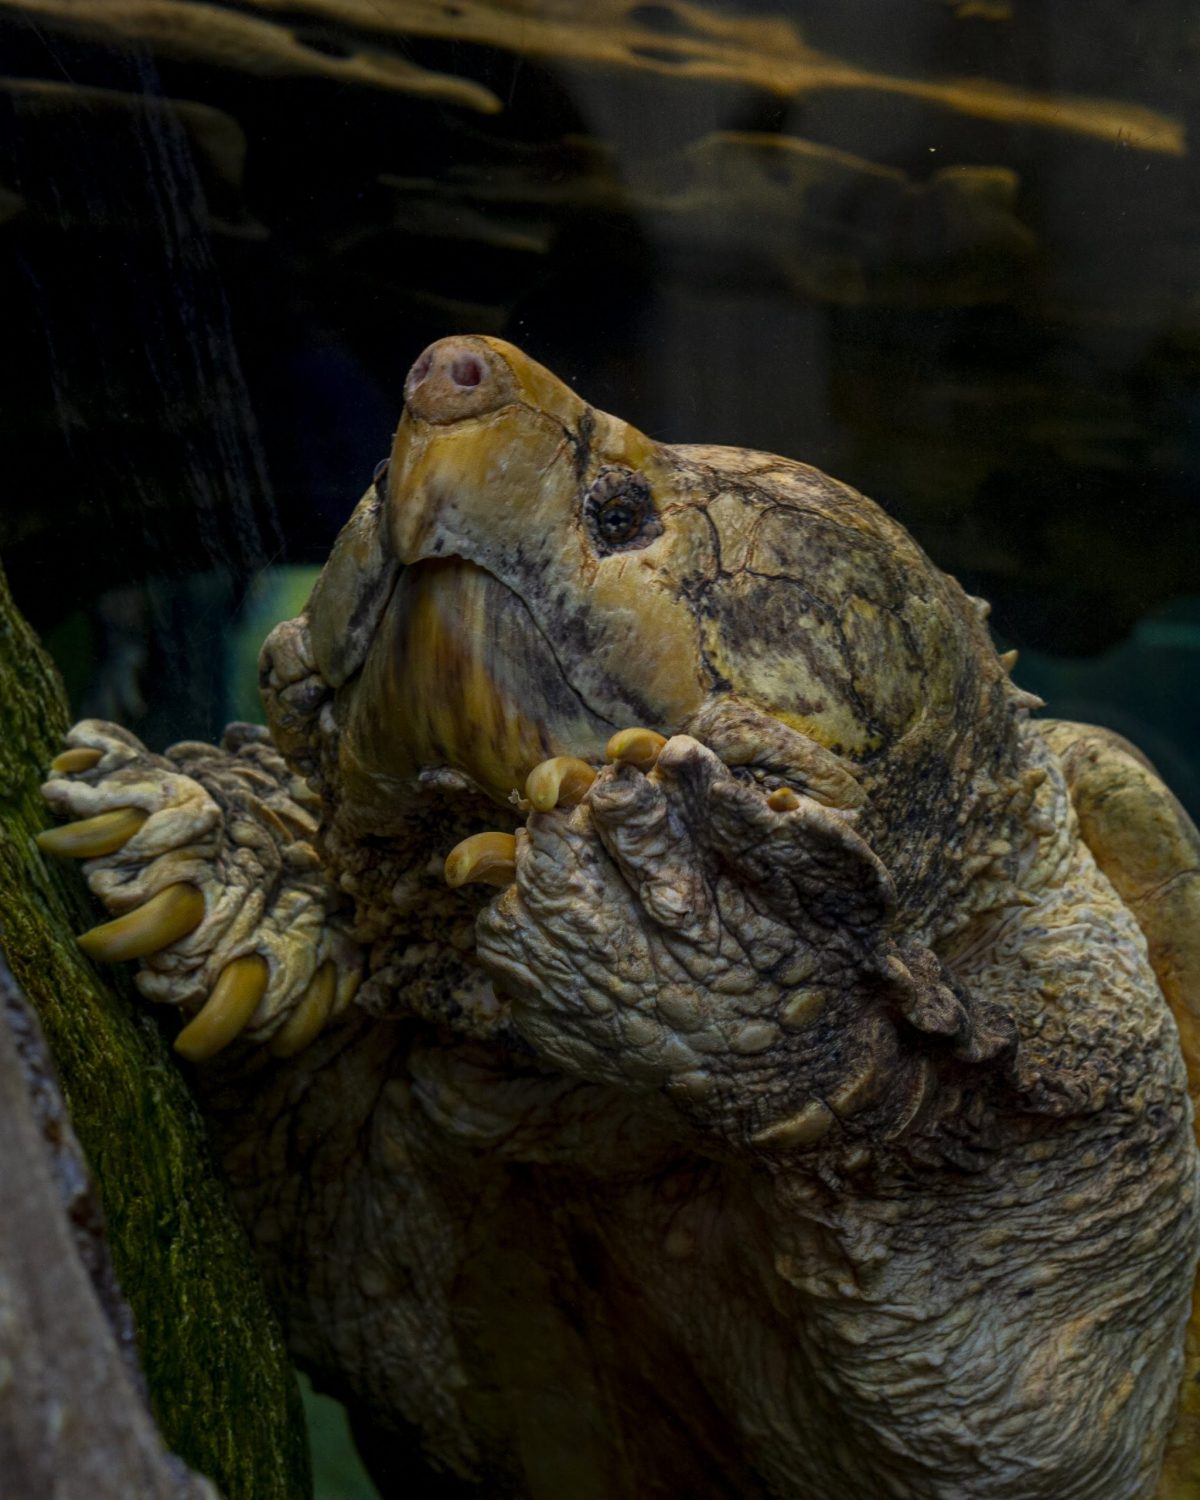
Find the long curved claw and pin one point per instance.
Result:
(92, 837)
(310, 1014)
(635, 747)
(236, 995)
(484, 858)
(71, 762)
(162, 920)
(559, 782)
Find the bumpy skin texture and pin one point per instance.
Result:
(237, 825)
(803, 1114)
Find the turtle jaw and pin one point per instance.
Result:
(460, 677)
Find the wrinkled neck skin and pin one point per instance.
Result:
(1016, 1328)
(983, 1295)
(992, 1302)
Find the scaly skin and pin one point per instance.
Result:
(801, 1115)
(234, 824)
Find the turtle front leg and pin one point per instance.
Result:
(670, 927)
(933, 1194)
(205, 856)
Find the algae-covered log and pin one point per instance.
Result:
(72, 1416)
(220, 1385)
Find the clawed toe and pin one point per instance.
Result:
(236, 995)
(92, 837)
(220, 858)
(783, 799)
(560, 782)
(639, 748)
(73, 762)
(310, 1015)
(483, 859)
(164, 919)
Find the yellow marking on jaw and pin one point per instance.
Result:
(236, 995)
(447, 670)
(483, 859)
(310, 1015)
(158, 923)
(72, 761)
(92, 837)
(652, 644)
(559, 782)
(635, 747)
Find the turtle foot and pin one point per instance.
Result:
(205, 857)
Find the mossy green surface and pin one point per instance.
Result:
(221, 1387)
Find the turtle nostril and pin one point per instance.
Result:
(458, 377)
(466, 371)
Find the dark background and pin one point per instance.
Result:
(948, 252)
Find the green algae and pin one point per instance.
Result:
(221, 1388)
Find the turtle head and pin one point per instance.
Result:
(532, 614)
(528, 575)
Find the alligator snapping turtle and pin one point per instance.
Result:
(773, 1092)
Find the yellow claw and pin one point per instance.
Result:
(236, 995)
(484, 858)
(560, 782)
(71, 761)
(161, 921)
(310, 1014)
(636, 747)
(783, 799)
(103, 834)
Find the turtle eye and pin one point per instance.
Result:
(618, 520)
(620, 510)
(379, 477)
